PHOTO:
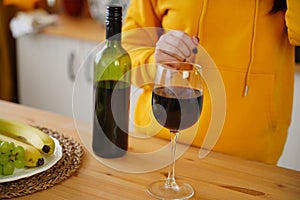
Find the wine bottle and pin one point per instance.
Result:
(112, 67)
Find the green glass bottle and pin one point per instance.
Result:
(112, 91)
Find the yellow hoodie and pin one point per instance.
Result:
(253, 50)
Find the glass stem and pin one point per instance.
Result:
(170, 182)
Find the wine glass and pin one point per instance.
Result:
(177, 99)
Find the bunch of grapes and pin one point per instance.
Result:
(11, 157)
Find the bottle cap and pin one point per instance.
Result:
(114, 13)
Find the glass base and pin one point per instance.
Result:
(160, 190)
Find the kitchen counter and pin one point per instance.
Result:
(77, 27)
(217, 176)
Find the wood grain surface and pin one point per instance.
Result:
(217, 176)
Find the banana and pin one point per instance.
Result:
(33, 157)
(27, 134)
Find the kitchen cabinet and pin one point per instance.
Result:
(48, 70)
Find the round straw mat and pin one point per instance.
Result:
(69, 163)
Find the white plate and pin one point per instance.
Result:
(49, 161)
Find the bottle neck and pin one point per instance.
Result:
(113, 43)
(113, 30)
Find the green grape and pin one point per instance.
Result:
(19, 159)
(4, 159)
(5, 147)
(18, 151)
(20, 163)
(11, 146)
(9, 168)
(11, 157)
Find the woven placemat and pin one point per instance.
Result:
(64, 168)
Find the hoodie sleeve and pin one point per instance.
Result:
(292, 18)
(140, 34)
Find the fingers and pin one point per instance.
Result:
(163, 56)
(189, 42)
(196, 42)
(176, 46)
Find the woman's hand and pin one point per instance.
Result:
(176, 45)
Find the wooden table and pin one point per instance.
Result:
(217, 176)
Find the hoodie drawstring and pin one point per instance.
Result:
(247, 79)
(201, 23)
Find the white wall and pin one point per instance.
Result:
(291, 157)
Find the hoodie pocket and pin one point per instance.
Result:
(254, 112)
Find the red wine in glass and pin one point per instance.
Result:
(176, 107)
